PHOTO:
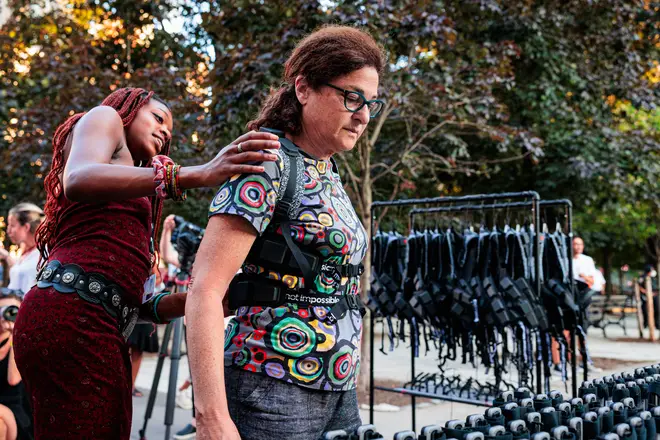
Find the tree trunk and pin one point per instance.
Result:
(607, 256)
(650, 308)
(657, 258)
(638, 304)
(365, 215)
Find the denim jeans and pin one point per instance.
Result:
(264, 408)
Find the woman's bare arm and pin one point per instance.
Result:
(226, 243)
(89, 176)
(167, 251)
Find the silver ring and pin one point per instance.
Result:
(239, 148)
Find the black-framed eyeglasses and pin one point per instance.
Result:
(354, 101)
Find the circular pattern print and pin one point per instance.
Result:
(274, 369)
(230, 332)
(341, 365)
(306, 369)
(221, 199)
(293, 337)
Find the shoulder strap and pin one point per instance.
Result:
(284, 204)
(282, 215)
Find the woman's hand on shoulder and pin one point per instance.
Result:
(244, 160)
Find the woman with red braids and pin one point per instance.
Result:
(104, 196)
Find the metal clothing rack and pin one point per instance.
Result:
(483, 208)
(568, 216)
(533, 201)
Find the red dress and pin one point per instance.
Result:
(72, 358)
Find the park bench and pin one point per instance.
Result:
(607, 310)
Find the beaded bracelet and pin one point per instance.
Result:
(149, 310)
(160, 164)
(180, 191)
(166, 178)
(172, 184)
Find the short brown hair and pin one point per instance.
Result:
(322, 56)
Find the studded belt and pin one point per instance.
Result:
(93, 288)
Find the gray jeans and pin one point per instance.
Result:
(264, 408)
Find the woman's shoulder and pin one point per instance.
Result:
(102, 116)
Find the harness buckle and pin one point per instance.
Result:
(353, 302)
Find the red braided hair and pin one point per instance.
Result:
(127, 102)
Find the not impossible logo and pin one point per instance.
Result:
(328, 300)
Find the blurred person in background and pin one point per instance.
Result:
(584, 268)
(22, 223)
(15, 410)
(650, 272)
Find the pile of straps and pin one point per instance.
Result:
(476, 289)
(621, 406)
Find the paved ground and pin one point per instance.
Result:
(156, 424)
(395, 366)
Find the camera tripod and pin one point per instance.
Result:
(176, 326)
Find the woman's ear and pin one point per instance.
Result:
(302, 89)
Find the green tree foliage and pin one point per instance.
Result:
(586, 84)
(440, 88)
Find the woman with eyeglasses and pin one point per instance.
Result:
(288, 370)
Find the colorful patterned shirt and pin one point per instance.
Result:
(293, 343)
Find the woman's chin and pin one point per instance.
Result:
(349, 143)
(149, 152)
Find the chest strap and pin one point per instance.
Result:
(251, 291)
(280, 253)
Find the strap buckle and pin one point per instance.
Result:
(353, 301)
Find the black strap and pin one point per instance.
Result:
(283, 209)
(284, 204)
(281, 216)
(308, 275)
(347, 302)
(248, 291)
(350, 270)
(286, 201)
